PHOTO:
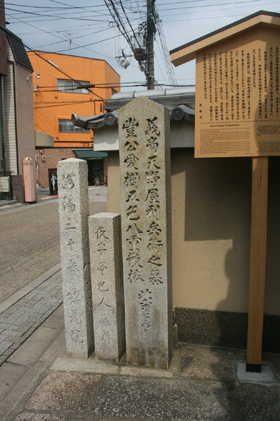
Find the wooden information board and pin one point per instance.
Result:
(237, 114)
(238, 102)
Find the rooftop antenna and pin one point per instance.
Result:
(68, 37)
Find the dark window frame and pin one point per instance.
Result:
(69, 86)
(66, 126)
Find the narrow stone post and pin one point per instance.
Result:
(74, 246)
(146, 231)
(107, 285)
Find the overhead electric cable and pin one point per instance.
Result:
(128, 21)
(66, 40)
(117, 19)
(61, 71)
(165, 52)
(96, 52)
(87, 45)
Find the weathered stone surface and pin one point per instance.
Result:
(74, 242)
(256, 402)
(146, 231)
(10, 375)
(65, 391)
(29, 416)
(107, 285)
(163, 399)
(35, 346)
(81, 365)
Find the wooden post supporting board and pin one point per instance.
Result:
(258, 262)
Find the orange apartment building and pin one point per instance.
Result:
(58, 92)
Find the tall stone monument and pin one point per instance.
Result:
(146, 231)
(107, 285)
(74, 241)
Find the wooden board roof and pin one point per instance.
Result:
(188, 51)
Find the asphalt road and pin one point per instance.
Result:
(29, 243)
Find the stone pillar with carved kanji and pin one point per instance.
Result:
(107, 285)
(146, 231)
(75, 264)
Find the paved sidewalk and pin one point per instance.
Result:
(96, 194)
(39, 382)
(23, 312)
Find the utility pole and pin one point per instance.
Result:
(151, 29)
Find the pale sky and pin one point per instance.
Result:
(49, 25)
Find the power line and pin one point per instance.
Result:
(92, 43)
(101, 84)
(81, 36)
(212, 17)
(128, 21)
(42, 30)
(28, 15)
(171, 13)
(199, 6)
(212, 9)
(74, 7)
(160, 70)
(64, 104)
(54, 16)
(40, 90)
(79, 28)
(160, 5)
(118, 21)
(165, 51)
(61, 71)
(36, 7)
(78, 46)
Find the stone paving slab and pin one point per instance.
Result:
(10, 375)
(83, 365)
(258, 402)
(63, 391)
(163, 399)
(21, 315)
(191, 357)
(66, 394)
(20, 393)
(26, 416)
(29, 353)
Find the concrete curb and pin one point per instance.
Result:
(9, 205)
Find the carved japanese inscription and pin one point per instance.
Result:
(107, 285)
(238, 98)
(146, 235)
(73, 213)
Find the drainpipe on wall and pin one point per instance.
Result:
(2, 124)
(15, 108)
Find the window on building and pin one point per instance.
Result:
(66, 126)
(70, 86)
